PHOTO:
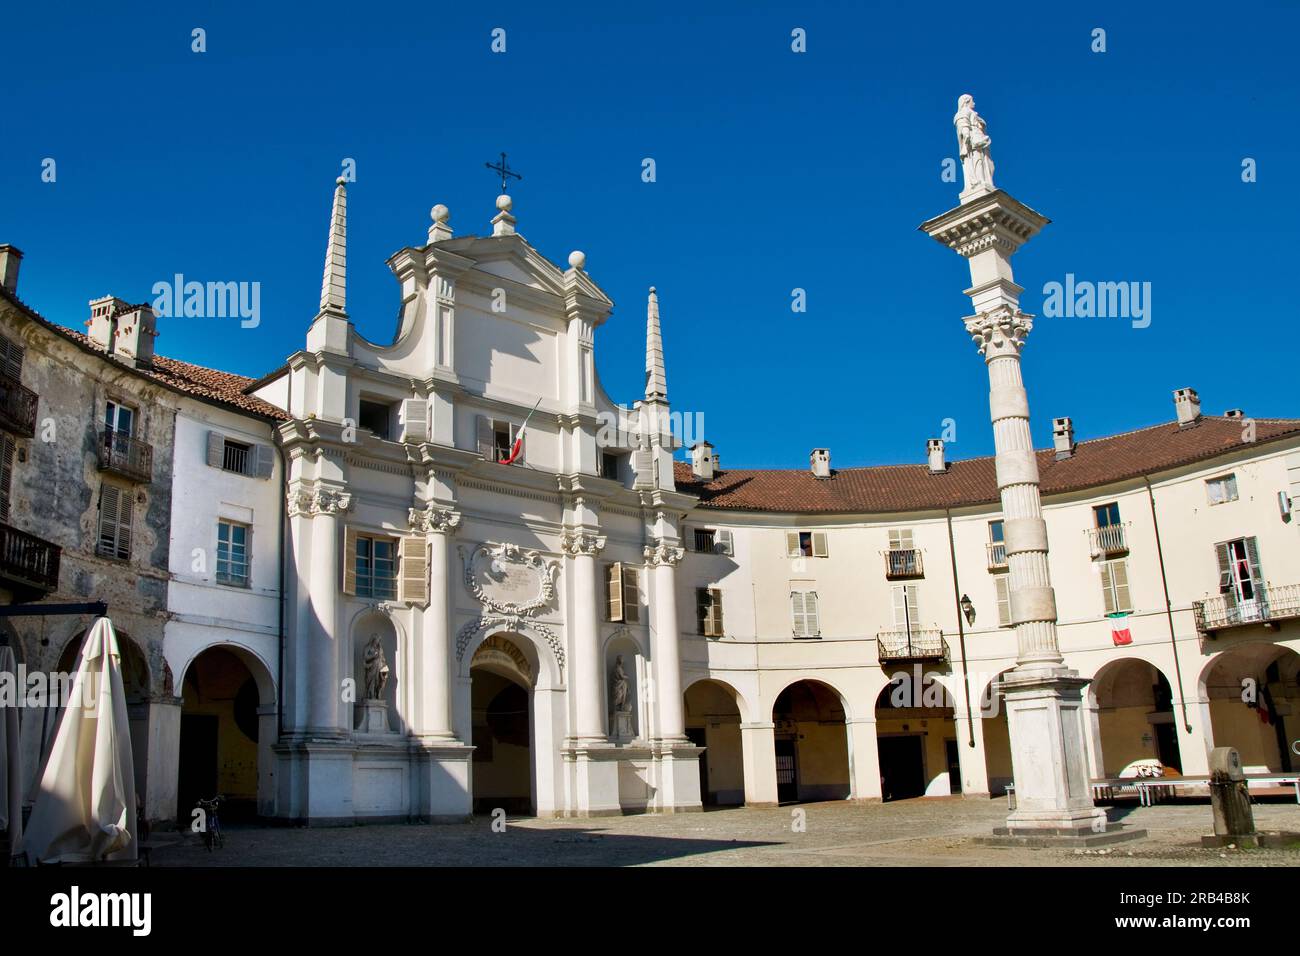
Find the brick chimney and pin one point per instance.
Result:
(934, 452)
(1063, 437)
(820, 461)
(1188, 406)
(11, 258)
(703, 462)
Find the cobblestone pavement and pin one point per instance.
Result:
(930, 832)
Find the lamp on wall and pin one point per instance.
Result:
(967, 608)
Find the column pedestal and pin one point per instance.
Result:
(758, 753)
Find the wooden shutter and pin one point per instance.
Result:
(115, 508)
(350, 560)
(819, 544)
(643, 465)
(11, 358)
(485, 437)
(1252, 555)
(792, 549)
(6, 474)
(614, 591)
(811, 618)
(715, 612)
(702, 610)
(722, 543)
(413, 574)
(1108, 588)
(414, 419)
(631, 596)
(1223, 552)
(1119, 574)
(1004, 600)
(216, 449)
(263, 461)
(905, 606)
(798, 615)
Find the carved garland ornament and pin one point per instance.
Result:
(509, 622)
(499, 565)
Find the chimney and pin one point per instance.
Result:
(1063, 437)
(820, 460)
(11, 258)
(135, 331)
(1234, 413)
(1188, 406)
(103, 322)
(934, 451)
(703, 462)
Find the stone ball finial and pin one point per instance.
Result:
(578, 259)
(504, 202)
(652, 290)
(341, 181)
(440, 213)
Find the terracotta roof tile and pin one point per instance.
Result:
(890, 488)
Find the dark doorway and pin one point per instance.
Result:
(197, 774)
(502, 762)
(697, 736)
(787, 779)
(902, 767)
(1167, 746)
(954, 766)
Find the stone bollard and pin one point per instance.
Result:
(1234, 821)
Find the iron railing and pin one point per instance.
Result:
(1108, 539)
(917, 644)
(127, 456)
(1226, 610)
(17, 407)
(234, 457)
(903, 563)
(997, 555)
(28, 561)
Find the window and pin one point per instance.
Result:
(803, 610)
(708, 611)
(1004, 600)
(11, 358)
(713, 541)
(115, 506)
(6, 473)
(903, 559)
(1221, 490)
(234, 456)
(119, 419)
(622, 593)
(704, 539)
(1106, 516)
(232, 553)
(806, 544)
(496, 438)
(997, 545)
(375, 417)
(240, 457)
(906, 614)
(609, 466)
(375, 567)
(1114, 586)
(1239, 572)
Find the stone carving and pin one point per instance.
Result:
(377, 671)
(509, 622)
(973, 146)
(999, 331)
(577, 542)
(663, 553)
(433, 518)
(621, 686)
(318, 501)
(506, 579)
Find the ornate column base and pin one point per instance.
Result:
(593, 777)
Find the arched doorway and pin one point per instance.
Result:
(713, 722)
(1135, 716)
(1254, 698)
(916, 738)
(812, 744)
(501, 684)
(228, 725)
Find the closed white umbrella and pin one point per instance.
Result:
(11, 776)
(85, 810)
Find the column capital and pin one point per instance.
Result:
(999, 332)
(434, 519)
(582, 543)
(661, 553)
(311, 502)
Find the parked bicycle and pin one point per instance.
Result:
(211, 822)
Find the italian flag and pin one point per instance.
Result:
(1119, 632)
(518, 446)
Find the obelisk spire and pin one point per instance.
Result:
(333, 289)
(656, 382)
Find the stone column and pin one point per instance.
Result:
(864, 760)
(326, 639)
(758, 747)
(1043, 697)
(439, 525)
(665, 638)
(587, 678)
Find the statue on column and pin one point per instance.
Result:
(376, 669)
(973, 146)
(621, 703)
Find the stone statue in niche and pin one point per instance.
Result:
(622, 703)
(376, 669)
(973, 145)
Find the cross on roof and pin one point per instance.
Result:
(504, 171)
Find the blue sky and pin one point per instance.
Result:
(775, 171)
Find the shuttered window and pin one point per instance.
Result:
(708, 611)
(495, 439)
(1223, 489)
(371, 569)
(906, 614)
(232, 553)
(806, 544)
(1114, 587)
(1004, 600)
(6, 473)
(115, 506)
(242, 458)
(1240, 575)
(414, 570)
(804, 614)
(623, 593)
(11, 358)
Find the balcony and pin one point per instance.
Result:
(29, 565)
(918, 644)
(997, 555)
(1269, 605)
(1107, 541)
(901, 563)
(125, 456)
(17, 407)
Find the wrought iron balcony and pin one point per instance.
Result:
(126, 456)
(918, 644)
(17, 407)
(997, 555)
(28, 565)
(903, 563)
(1108, 540)
(1270, 604)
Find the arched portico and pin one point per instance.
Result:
(715, 714)
(811, 742)
(1253, 694)
(1131, 710)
